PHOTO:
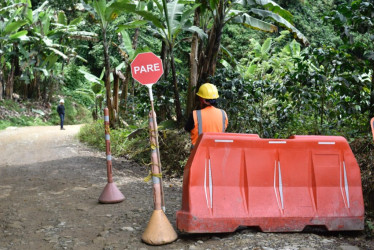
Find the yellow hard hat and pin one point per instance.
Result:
(208, 91)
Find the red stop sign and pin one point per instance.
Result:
(147, 68)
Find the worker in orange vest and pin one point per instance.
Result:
(208, 118)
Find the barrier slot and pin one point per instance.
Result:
(346, 184)
(206, 194)
(280, 184)
(210, 186)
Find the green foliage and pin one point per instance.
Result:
(136, 148)
(74, 78)
(308, 15)
(235, 38)
(19, 115)
(75, 113)
(11, 105)
(268, 61)
(22, 121)
(93, 134)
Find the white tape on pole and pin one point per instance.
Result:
(150, 91)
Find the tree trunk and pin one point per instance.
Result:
(126, 79)
(107, 80)
(371, 105)
(178, 110)
(193, 67)
(10, 82)
(207, 66)
(125, 90)
(164, 59)
(115, 90)
(1, 83)
(51, 88)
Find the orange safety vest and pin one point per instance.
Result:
(209, 119)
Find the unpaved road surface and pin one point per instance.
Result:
(49, 189)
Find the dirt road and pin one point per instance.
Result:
(50, 184)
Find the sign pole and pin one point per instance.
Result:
(157, 145)
(146, 68)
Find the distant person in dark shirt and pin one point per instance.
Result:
(61, 113)
(208, 118)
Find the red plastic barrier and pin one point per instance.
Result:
(233, 180)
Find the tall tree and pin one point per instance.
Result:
(106, 13)
(214, 15)
(38, 40)
(12, 19)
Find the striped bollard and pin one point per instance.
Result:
(111, 193)
(159, 231)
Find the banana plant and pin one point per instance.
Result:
(11, 22)
(128, 51)
(95, 92)
(38, 41)
(48, 42)
(222, 13)
(106, 13)
(215, 14)
(265, 62)
(169, 20)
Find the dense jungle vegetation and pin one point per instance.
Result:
(281, 67)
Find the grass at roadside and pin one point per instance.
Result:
(29, 113)
(133, 143)
(22, 122)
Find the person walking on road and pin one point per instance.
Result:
(208, 118)
(61, 113)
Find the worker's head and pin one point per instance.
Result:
(62, 101)
(208, 94)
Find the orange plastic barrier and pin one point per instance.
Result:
(233, 180)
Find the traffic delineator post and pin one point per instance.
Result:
(159, 231)
(111, 193)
